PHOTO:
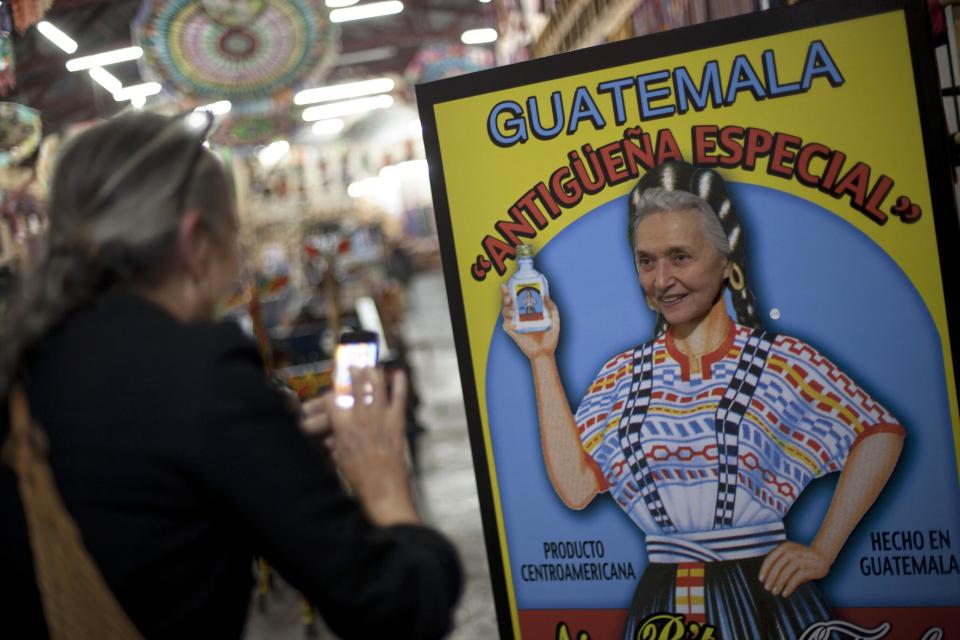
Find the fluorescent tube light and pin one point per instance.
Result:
(219, 108)
(369, 10)
(346, 108)
(272, 153)
(137, 102)
(364, 55)
(145, 89)
(57, 37)
(105, 58)
(328, 127)
(106, 79)
(196, 121)
(479, 36)
(364, 187)
(344, 91)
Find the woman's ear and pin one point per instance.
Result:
(193, 244)
(727, 268)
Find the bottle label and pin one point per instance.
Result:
(529, 302)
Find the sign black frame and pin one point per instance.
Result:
(653, 46)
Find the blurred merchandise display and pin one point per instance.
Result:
(20, 132)
(27, 13)
(574, 24)
(8, 78)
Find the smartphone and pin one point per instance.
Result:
(356, 349)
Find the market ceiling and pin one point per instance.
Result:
(368, 48)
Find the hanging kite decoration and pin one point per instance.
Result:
(233, 13)
(439, 61)
(238, 51)
(247, 131)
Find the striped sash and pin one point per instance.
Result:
(730, 411)
(635, 410)
(716, 545)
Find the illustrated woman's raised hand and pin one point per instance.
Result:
(572, 477)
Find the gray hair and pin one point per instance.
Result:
(692, 187)
(116, 200)
(659, 199)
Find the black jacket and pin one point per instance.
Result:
(179, 463)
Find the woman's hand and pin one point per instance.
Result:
(790, 565)
(369, 446)
(537, 343)
(315, 421)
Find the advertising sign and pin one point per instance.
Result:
(699, 284)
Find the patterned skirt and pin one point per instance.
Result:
(728, 596)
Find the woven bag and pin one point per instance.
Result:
(77, 603)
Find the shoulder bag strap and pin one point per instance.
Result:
(77, 602)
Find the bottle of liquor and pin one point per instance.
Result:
(528, 288)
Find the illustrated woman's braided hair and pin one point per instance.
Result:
(116, 200)
(681, 186)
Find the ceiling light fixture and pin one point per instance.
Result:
(196, 121)
(479, 36)
(271, 154)
(145, 89)
(369, 10)
(105, 58)
(57, 37)
(106, 79)
(364, 55)
(328, 127)
(219, 108)
(137, 102)
(346, 108)
(365, 187)
(344, 91)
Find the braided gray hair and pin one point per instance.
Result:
(704, 191)
(658, 199)
(116, 200)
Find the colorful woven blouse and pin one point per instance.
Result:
(707, 464)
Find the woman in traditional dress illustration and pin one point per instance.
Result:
(707, 434)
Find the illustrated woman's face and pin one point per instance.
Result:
(681, 272)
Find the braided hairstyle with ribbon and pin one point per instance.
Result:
(690, 187)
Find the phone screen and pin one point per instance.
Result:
(351, 354)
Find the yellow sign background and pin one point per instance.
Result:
(869, 117)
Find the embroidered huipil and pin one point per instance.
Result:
(707, 464)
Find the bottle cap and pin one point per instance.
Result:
(524, 251)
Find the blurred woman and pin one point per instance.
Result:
(707, 434)
(174, 456)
